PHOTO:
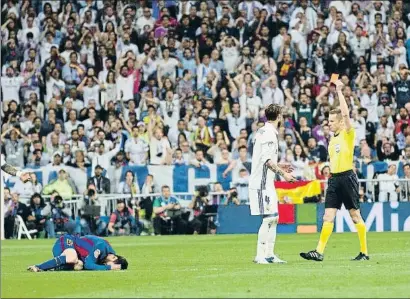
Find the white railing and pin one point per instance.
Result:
(109, 201)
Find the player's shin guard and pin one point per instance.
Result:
(53, 263)
(262, 238)
(327, 230)
(361, 232)
(270, 246)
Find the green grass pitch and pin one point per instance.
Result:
(218, 266)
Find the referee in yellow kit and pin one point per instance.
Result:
(343, 186)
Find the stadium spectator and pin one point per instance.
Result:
(101, 183)
(405, 185)
(146, 202)
(63, 185)
(136, 148)
(388, 185)
(28, 188)
(15, 207)
(129, 185)
(242, 184)
(316, 152)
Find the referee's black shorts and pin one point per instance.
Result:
(343, 188)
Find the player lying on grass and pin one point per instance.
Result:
(72, 252)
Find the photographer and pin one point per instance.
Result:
(36, 219)
(199, 205)
(167, 211)
(122, 220)
(93, 209)
(60, 217)
(232, 197)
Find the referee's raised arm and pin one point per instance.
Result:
(343, 105)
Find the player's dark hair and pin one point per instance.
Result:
(272, 112)
(121, 261)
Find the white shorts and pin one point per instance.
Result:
(263, 202)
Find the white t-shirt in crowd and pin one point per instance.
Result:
(370, 103)
(11, 87)
(167, 68)
(53, 88)
(158, 150)
(144, 21)
(92, 93)
(400, 59)
(230, 57)
(236, 124)
(137, 150)
(126, 85)
(272, 96)
(252, 104)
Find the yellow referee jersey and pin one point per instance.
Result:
(341, 150)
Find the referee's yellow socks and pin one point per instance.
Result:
(327, 230)
(361, 231)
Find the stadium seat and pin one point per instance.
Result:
(22, 229)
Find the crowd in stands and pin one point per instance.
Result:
(92, 84)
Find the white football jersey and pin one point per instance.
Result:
(265, 147)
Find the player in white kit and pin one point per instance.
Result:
(7, 169)
(262, 194)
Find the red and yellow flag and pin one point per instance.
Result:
(297, 191)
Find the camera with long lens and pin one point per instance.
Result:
(91, 193)
(58, 202)
(201, 197)
(202, 191)
(89, 196)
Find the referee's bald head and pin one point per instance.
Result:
(273, 111)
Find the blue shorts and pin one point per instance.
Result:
(64, 242)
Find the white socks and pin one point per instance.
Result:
(266, 237)
(270, 247)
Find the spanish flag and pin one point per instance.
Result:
(297, 191)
